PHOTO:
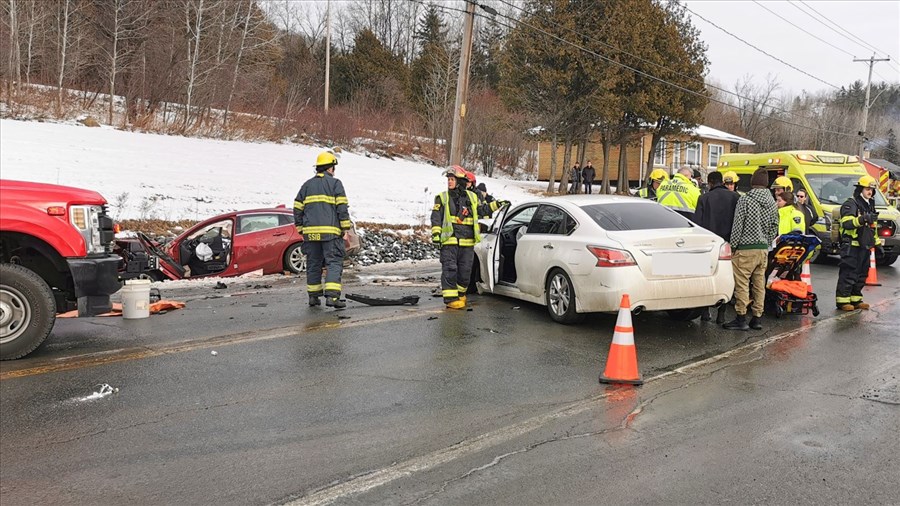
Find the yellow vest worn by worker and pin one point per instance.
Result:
(679, 194)
(790, 219)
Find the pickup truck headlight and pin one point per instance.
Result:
(87, 220)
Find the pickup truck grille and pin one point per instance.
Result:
(107, 234)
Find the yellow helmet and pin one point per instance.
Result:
(783, 182)
(867, 182)
(326, 159)
(731, 177)
(658, 175)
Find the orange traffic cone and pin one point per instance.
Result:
(872, 278)
(621, 364)
(806, 277)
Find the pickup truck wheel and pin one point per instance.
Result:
(27, 311)
(294, 259)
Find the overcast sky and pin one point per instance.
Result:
(875, 22)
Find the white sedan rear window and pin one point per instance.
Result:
(634, 216)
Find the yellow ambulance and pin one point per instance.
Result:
(829, 179)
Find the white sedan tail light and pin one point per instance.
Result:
(725, 251)
(609, 257)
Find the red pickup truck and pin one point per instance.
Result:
(55, 256)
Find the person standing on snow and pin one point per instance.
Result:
(588, 173)
(454, 227)
(321, 217)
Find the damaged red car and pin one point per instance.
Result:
(258, 240)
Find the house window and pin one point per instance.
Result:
(715, 151)
(676, 155)
(659, 156)
(693, 154)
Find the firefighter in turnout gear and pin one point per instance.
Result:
(454, 227)
(321, 217)
(679, 194)
(485, 200)
(657, 177)
(858, 221)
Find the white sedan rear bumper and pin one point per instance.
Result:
(601, 290)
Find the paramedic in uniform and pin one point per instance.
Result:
(321, 217)
(679, 194)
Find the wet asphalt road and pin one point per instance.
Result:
(416, 404)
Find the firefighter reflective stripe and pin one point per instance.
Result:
(340, 200)
(642, 193)
(450, 294)
(332, 287)
(322, 230)
(314, 288)
(298, 205)
(842, 300)
(446, 228)
(851, 228)
(435, 230)
(856, 299)
(461, 289)
(299, 229)
(883, 181)
(345, 224)
(326, 199)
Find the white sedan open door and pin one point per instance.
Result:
(492, 250)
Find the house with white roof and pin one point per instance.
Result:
(700, 149)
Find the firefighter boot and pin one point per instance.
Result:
(314, 300)
(861, 305)
(463, 299)
(456, 304)
(739, 323)
(335, 302)
(755, 323)
(846, 307)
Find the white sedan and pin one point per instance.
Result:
(579, 254)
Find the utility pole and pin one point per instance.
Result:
(863, 133)
(327, 53)
(462, 86)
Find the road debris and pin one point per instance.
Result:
(214, 353)
(384, 301)
(432, 317)
(220, 286)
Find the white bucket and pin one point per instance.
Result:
(136, 299)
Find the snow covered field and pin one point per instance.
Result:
(172, 177)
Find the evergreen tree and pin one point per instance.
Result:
(891, 154)
(370, 73)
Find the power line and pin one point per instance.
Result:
(763, 51)
(607, 59)
(826, 18)
(804, 30)
(723, 90)
(836, 28)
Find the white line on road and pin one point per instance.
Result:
(473, 445)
